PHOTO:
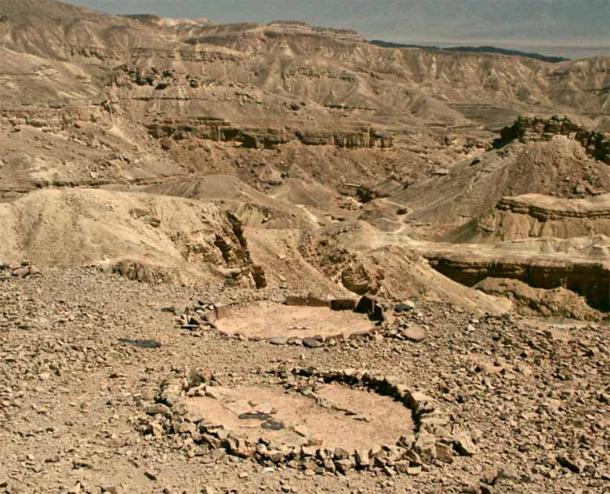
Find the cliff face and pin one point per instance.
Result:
(589, 279)
(214, 129)
(536, 216)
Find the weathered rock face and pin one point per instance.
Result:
(589, 279)
(538, 129)
(542, 217)
(216, 129)
(358, 139)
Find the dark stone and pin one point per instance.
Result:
(259, 277)
(365, 305)
(148, 344)
(254, 416)
(312, 343)
(339, 304)
(399, 308)
(273, 425)
(308, 301)
(378, 313)
(568, 463)
(192, 321)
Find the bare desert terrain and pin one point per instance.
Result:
(276, 257)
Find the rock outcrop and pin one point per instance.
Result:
(529, 301)
(539, 216)
(217, 129)
(529, 129)
(587, 278)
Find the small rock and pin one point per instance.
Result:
(464, 445)
(571, 464)
(341, 454)
(414, 333)
(312, 343)
(148, 344)
(158, 409)
(404, 307)
(444, 452)
(278, 341)
(362, 458)
(150, 474)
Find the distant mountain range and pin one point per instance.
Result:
(474, 49)
(566, 28)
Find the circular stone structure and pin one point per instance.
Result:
(308, 419)
(334, 416)
(285, 323)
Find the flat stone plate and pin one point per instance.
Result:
(267, 320)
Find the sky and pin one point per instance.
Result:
(573, 28)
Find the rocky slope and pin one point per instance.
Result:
(149, 238)
(562, 161)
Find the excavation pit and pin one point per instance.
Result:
(336, 416)
(283, 323)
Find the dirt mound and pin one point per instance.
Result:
(289, 202)
(529, 301)
(132, 233)
(254, 208)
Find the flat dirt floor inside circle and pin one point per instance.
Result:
(336, 417)
(272, 320)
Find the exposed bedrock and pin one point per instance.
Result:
(540, 216)
(215, 129)
(546, 208)
(589, 279)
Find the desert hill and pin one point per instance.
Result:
(151, 238)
